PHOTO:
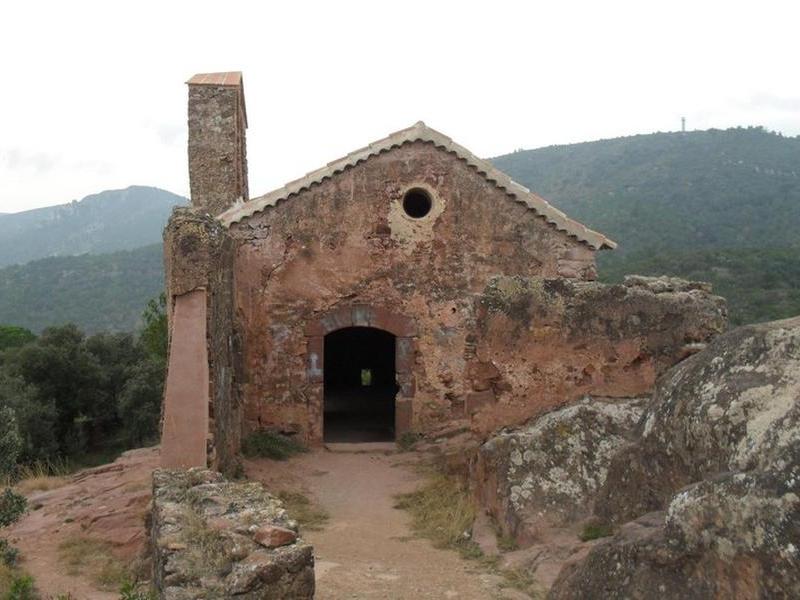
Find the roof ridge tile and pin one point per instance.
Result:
(421, 132)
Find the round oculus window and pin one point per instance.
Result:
(417, 203)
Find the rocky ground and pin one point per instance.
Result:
(709, 493)
(365, 549)
(691, 493)
(95, 512)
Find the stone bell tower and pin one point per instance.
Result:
(217, 143)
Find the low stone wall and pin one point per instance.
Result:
(212, 538)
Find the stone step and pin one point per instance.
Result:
(362, 447)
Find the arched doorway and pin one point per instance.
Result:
(397, 326)
(359, 385)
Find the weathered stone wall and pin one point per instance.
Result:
(199, 255)
(347, 242)
(217, 148)
(540, 343)
(215, 539)
(224, 363)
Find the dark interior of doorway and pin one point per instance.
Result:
(360, 385)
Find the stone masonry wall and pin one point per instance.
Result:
(199, 255)
(217, 149)
(347, 242)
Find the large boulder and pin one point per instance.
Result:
(547, 474)
(731, 408)
(719, 457)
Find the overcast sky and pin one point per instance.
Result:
(92, 95)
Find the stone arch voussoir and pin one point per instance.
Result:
(361, 315)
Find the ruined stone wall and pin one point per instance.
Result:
(347, 242)
(224, 363)
(541, 343)
(199, 255)
(212, 538)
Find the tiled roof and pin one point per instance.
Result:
(232, 78)
(421, 132)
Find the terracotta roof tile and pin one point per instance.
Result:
(421, 132)
(231, 78)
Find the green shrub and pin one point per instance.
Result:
(12, 506)
(407, 441)
(269, 444)
(9, 555)
(21, 589)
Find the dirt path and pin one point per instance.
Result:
(366, 550)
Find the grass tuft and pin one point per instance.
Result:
(300, 508)
(594, 531)
(269, 444)
(6, 578)
(408, 440)
(86, 556)
(206, 547)
(506, 543)
(442, 511)
(131, 591)
(42, 476)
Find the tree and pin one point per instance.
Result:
(67, 375)
(36, 418)
(139, 404)
(155, 334)
(10, 440)
(13, 337)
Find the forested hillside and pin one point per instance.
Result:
(100, 223)
(722, 206)
(106, 292)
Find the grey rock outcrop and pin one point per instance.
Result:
(546, 475)
(209, 539)
(713, 485)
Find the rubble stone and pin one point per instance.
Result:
(218, 539)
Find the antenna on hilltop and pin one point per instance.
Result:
(683, 124)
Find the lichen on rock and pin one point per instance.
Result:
(218, 539)
(547, 474)
(713, 484)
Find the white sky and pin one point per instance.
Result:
(92, 94)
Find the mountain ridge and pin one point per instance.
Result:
(100, 223)
(721, 206)
(660, 191)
